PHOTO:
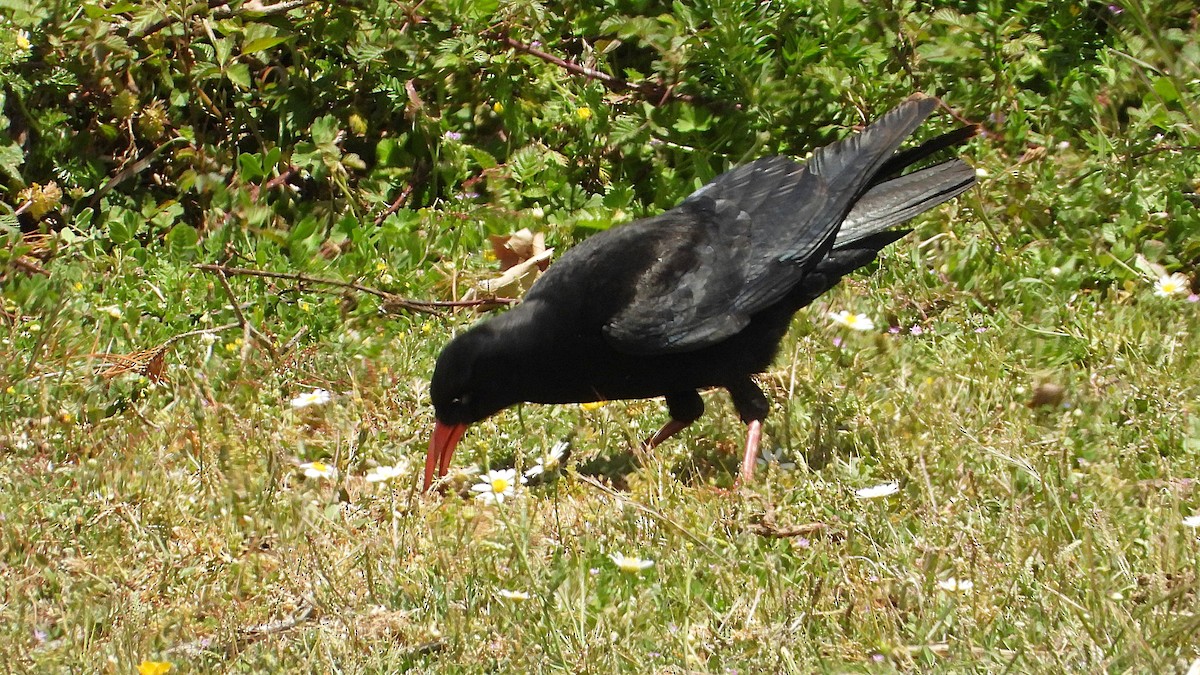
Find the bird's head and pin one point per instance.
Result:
(469, 384)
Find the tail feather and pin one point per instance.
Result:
(906, 158)
(897, 200)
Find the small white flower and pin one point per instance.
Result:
(768, 458)
(1171, 284)
(630, 564)
(311, 398)
(883, 490)
(111, 310)
(548, 462)
(852, 321)
(515, 596)
(1192, 521)
(385, 473)
(952, 585)
(496, 486)
(318, 470)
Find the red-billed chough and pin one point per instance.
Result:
(699, 296)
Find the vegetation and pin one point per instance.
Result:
(166, 495)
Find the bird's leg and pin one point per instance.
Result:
(668, 430)
(685, 407)
(750, 458)
(753, 407)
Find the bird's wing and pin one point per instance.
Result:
(743, 241)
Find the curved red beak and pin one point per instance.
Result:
(441, 449)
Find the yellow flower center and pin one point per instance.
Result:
(319, 466)
(499, 485)
(1170, 286)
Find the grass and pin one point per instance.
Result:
(181, 530)
(1033, 399)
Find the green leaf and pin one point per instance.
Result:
(11, 158)
(239, 74)
(264, 43)
(182, 238)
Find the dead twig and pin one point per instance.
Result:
(651, 91)
(391, 300)
(653, 513)
(766, 527)
(247, 327)
(770, 530)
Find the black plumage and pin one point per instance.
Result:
(701, 295)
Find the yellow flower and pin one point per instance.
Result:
(584, 113)
(23, 42)
(154, 667)
(594, 405)
(498, 107)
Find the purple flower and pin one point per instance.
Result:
(877, 657)
(916, 330)
(837, 342)
(894, 330)
(1116, 9)
(980, 329)
(1193, 298)
(452, 136)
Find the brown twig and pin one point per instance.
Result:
(390, 299)
(247, 327)
(275, 182)
(651, 91)
(765, 530)
(221, 8)
(418, 175)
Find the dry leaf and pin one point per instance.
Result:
(516, 279)
(1047, 394)
(518, 247)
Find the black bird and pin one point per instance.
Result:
(699, 296)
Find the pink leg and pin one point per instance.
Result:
(753, 436)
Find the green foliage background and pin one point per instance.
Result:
(381, 141)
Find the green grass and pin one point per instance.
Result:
(1041, 422)
(181, 528)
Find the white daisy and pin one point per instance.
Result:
(874, 492)
(318, 470)
(630, 564)
(496, 486)
(548, 462)
(852, 321)
(515, 596)
(385, 473)
(777, 458)
(1171, 284)
(311, 398)
(952, 585)
(1192, 521)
